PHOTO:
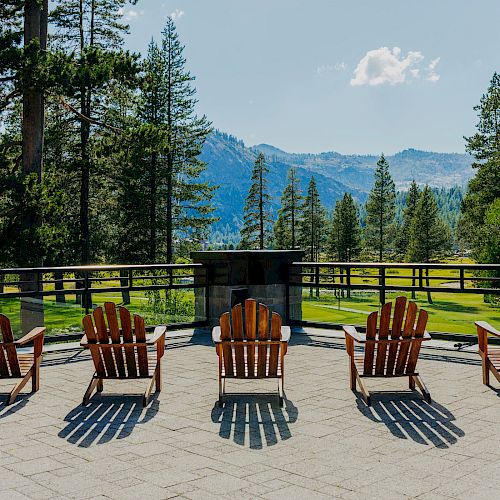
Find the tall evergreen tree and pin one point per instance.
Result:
(255, 232)
(403, 236)
(188, 205)
(92, 33)
(312, 234)
(344, 232)
(286, 226)
(429, 235)
(484, 188)
(380, 211)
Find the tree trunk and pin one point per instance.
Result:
(429, 297)
(35, 30)
(152, 211)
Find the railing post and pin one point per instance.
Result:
(86, 292)
(462, 280)
(382, 285)
(317, 280)
(348, 281)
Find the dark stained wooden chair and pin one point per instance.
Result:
(490, 355)
(251, 347)
(125, 356)
(389, 350)
(14, 365)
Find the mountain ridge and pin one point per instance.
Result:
(230, 161)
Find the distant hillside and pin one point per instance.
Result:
(230, 163)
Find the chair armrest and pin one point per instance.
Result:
(216, 334)
(488, 328)
(286, 332)
(157, 334)
(353, 333)
(31, 336)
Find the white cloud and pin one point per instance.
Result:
(385, 66)
(325, 69)
(129, 14)
(176, 14)
(432, 76)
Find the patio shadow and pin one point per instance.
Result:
(20, 402)
(106, 417)
(410, 418)
(254, 420)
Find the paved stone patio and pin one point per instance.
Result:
(324, 443)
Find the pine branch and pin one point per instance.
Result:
(87, 119)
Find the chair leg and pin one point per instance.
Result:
(352, 374)
(147, 394)
(426, 394)
(17, 389)
(221, 391)
(100, 385)
(411, 383)
(158, 377)
(486, 371)
(364, 391)
(95, 382)
(35, 379)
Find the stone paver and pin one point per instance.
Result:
(325, 443)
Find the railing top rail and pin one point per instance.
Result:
(392, 265)
(90, 268)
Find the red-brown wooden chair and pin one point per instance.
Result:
(253, 348)
(14, 365)
(386, 357)
(125, 356)
(490, 355)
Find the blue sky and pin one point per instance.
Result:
(322, 75)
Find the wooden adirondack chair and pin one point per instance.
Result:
(20, 366)
(396, 356)
(126, 356)
(489, 355)
(250, 349)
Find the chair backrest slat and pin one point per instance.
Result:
(262, 335)
(397, 322)
(274, 349)
(415, 346)
(227, 350)
(251, 334)
(142, 352)
(128, 337)
(10, 348)
(102, 336)
(411, 316)
(88, 326)
(239, 350)
(371, 333)
(385, 320)
(114, 333)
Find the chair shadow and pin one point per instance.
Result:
(106, 417)
(257, 416)
(20, 402)
(408, 417)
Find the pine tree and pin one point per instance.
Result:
(312, 234)
(403, 236)
(255, 232)
(429, 235)
(188, 205)
(286, 226)
(344, 231)
(91, 34)
(484, 188)
(380, 211)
